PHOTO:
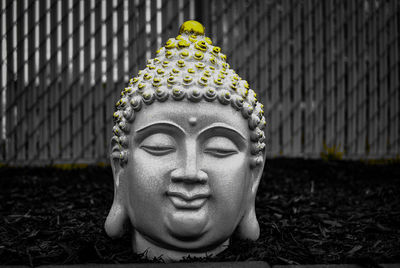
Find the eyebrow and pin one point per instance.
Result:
(160, 124)
(222, 126)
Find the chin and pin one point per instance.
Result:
(198, 239)
(187, 226)
(205, 243)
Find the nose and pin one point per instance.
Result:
(188, 171)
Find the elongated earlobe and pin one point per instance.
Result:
(117, 217)
(248, 227)
(116, 220)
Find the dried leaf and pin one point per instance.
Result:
(332, 223)
(354, 250)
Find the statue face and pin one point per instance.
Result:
(188, 179)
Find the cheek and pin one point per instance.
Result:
(148, 178)
(228, 178)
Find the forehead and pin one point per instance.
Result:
(191, 117)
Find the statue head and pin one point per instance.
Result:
(187, 153)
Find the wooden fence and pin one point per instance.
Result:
(327, 71)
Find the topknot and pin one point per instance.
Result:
(188, 66)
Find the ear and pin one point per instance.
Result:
(256, 171)
(248, 227)
(117, 217)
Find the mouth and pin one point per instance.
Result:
(187, 201)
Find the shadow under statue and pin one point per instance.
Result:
(187, 153)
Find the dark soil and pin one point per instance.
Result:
(309, 211)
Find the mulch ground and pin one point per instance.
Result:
(310, 211)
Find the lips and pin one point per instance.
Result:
(188, 201)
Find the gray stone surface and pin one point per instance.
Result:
(207, 115)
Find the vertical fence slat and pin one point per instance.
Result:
(120, 50)
(373, 89)
(340, 79)
(309, 78)
(330, 73)
(319, 77)
(120, 83)
(252, 47)
(10, 91)
(141, 35)
(264, 48)
(153, 23)
(352, 79)
(286, 80)
(232, 36)
(382, 80)
(31, 90)
(42, 86)
(65, 96)
(87, 104)
(120, 47)
(98, 128)
(165, 15)
(232, 32)
(275, 108)
(186, 10)
(394, 80)
(174, 21)
(206, 16)
(224, 21)
(361, 81)
(133, 31)
(264, 87)
(180, 11)
(219, 23)
(76, 87)
(297, 79)
(125, 45)
(238, 60)
(109, 105)
(229, 33)
(54, 96)
(20, 127)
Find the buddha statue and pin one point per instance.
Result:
(187, 152)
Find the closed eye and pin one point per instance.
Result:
(158, 150)
(220, 153)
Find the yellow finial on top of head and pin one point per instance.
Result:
(192, 26)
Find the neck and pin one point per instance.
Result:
(141, 245)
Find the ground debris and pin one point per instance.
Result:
(310, 211)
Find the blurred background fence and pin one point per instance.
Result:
(327, 71)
